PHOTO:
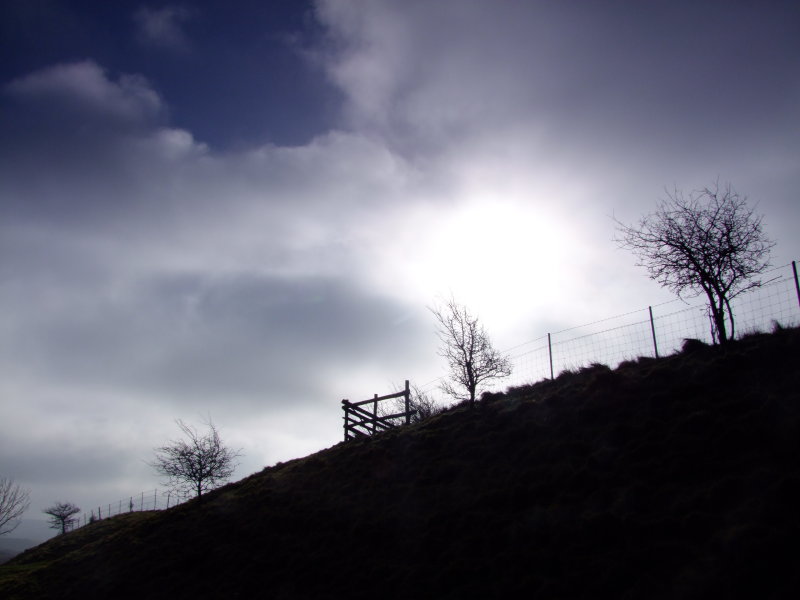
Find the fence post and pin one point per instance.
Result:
(345, 404)
(796, 282)
(408, 403)
(550, 353)
(375, 414)
(653, 330)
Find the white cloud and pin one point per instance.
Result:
(84, 86)
(163, 27)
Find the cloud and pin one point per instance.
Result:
(155, 278)
(576, 81)
(569, 113)
(83, 87)
(482, 149)
(162, 28)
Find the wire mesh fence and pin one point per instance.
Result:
(656, 330)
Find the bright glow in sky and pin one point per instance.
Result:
(246, 213)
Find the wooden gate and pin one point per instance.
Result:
(359, 421)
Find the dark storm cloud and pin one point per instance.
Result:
(198, 340)
(669, 77)
(74, 464)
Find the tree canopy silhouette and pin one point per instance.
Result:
(198, 463)
(61, 515)
(470, 356)
(707, 242)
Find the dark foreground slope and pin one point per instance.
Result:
(671, 478)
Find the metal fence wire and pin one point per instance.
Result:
(149, 500)
(655, 330)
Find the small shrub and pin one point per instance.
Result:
(594, 367)
(692, 345)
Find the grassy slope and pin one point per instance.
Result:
(676, 477)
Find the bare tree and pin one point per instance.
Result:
(197, 464)
(470, 356)
(61, 515)
(422, 403)
(709, 242)
(13, 502)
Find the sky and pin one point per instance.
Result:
(244, 211)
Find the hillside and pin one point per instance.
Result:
(669, 478)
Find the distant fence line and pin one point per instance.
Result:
(656, 330)
(148, 500)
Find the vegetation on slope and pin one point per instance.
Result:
(676, 477)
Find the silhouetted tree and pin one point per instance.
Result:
(422, 403)
(13, 502)
(197, 464)
(470, 356)
(61, 515)
(709, 242)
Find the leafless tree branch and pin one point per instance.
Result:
(198, 463)
(422, 403)
(13, 502)
(709, 242)
(471, 359)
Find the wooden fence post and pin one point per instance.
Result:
(408, 403)
(550, 354)
(653, 330)
(360, 421)
(345, 405)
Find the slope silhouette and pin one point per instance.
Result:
(664, 478)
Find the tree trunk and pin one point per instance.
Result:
(717, 306)
(732, 331)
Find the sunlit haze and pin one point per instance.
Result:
(244, 211)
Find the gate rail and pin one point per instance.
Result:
(359, 421)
